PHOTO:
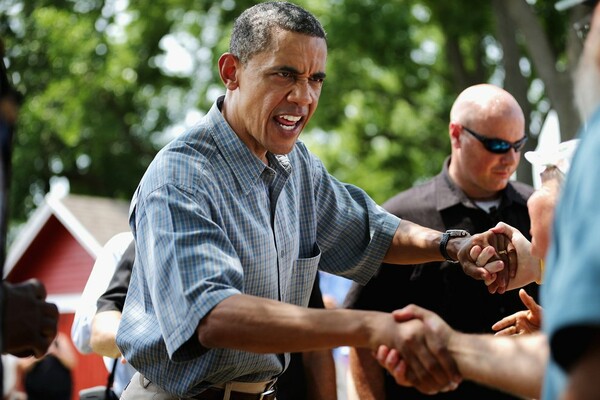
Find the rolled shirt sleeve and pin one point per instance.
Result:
(211, 220)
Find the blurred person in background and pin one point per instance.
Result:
(50, 377)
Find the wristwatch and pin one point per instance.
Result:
(446, 236)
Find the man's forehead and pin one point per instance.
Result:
(297, 49)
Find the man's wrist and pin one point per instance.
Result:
(448, 249)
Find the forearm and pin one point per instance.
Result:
(367, 375)
(104, 331)
(415, 244)
(514, 364)
(526, 274)
(260, 325)
(319, 369)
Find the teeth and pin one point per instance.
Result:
(287, 128)
(291, 118)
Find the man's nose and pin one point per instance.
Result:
(302, 93)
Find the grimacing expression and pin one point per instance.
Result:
(277, 92)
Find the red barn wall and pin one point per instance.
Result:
(57, 259)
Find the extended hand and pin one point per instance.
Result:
(421, 360)
(500, 253)
(528, 266)
(521, 322)
(30, 323)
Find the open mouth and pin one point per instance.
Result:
(288, 122)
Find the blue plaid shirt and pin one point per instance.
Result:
(211, 220)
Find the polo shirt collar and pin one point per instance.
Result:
(246, 167)
(448, 194)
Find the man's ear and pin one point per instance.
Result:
(454, 130)
(228, 68)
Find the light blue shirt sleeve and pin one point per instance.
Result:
(570, 293)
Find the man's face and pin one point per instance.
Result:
(277, 91)
(541, 206)
(483, 173)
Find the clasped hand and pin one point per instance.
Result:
(523, 267)
(490, 256)
(421, 357)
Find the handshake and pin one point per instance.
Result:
(502, 258)
(422, 352)
(419, 355)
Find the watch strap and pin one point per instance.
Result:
(443, 244)
(446, 236)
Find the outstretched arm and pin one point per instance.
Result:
(514, 364)
(270, 326)
(416, 244)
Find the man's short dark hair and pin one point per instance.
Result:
(252, 30)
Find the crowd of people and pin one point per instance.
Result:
(214, 294)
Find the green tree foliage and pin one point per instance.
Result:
(101, 98)
(382, 118)
(92, 100)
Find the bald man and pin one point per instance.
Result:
(472, 193)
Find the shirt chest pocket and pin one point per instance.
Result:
(299, 280)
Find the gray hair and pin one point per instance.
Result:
(252, 30)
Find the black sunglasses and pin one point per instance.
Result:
(498, 146)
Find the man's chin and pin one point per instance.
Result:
(283, 149)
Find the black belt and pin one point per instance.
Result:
(218, 394)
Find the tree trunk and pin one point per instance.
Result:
(558, 85)
(514, 81)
